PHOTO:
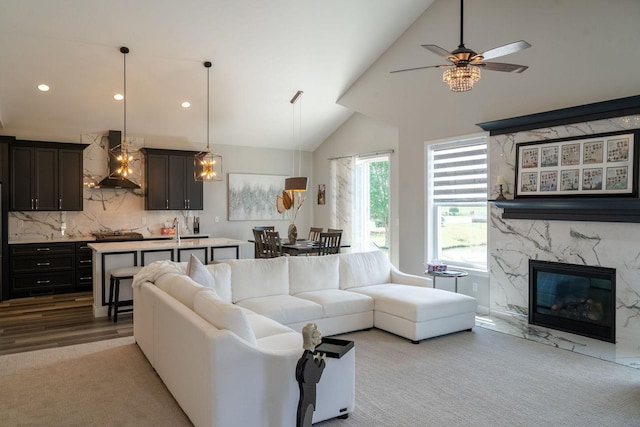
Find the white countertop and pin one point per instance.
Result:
(63, 239)
(164, 244)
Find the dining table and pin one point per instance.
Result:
(301, 247)
(304, 247)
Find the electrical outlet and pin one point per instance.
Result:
(475, 287)
(217, 219)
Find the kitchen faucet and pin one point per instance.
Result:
(176, 227)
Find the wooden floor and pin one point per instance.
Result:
(55, 321)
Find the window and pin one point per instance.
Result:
(457, 202)
(371, 204)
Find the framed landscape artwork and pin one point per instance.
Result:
(253, 197)
(600, 165)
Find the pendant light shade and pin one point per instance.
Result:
(207, 166)
(296, 183)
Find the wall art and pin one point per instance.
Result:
(605, 164)
(253, 197)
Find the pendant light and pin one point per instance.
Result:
(296, 184)
(122, 153)
(207, 165)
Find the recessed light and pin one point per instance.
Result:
(43, 87)
(186, 104)
(118, 97)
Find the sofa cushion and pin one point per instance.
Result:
(262, 326)
(364, 269)
(184, 289)
(221, 273)
(164, 282)
(285, 309)
(418, 304)
(197, 271)
(313, 273)
(223, 315)
(336, 302)
(253, 278)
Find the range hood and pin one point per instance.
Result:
(113, 180)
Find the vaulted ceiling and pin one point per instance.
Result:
(262, 53)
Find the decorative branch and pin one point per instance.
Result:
(287, 203)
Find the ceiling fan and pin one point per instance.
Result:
(465, 66)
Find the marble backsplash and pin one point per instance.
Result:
(104, 209)
(513, 242)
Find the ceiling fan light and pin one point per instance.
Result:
(461, 78)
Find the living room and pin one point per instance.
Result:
(582, 52)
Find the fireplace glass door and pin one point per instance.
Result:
(573, 298)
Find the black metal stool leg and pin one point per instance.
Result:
(110, 297)
(115, 302)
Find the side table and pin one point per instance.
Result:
(455, 274)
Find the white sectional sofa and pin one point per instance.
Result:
(225, 338)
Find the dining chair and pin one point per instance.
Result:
(334, 230)
(314, 233)
(274, 244)
(260, 242)
(330, 243)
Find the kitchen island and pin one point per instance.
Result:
(112, 255)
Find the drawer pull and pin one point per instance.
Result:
(42, 282)
(40, 264)
(43, 249)
(86, 278)
(84, 261)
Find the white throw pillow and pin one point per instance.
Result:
(223, 315)
(197, 271)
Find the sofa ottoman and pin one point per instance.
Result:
(419, 313)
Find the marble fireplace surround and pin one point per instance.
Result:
(513, 242)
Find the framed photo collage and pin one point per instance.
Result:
(599, 165)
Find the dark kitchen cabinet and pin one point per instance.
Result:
(84, 267)
(38, 268)
(170, 183)
(45, 176)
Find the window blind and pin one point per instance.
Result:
(459, 172)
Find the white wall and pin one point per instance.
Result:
(583, 51)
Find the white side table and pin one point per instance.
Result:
(455, 274)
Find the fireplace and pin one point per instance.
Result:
(573, 298)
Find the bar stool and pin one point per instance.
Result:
(117, 275)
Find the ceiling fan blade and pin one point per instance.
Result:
(501, 66)
(440, 51)
(420, 68)
(507, 49)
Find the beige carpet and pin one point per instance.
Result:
(104, 387)
(480, 378)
